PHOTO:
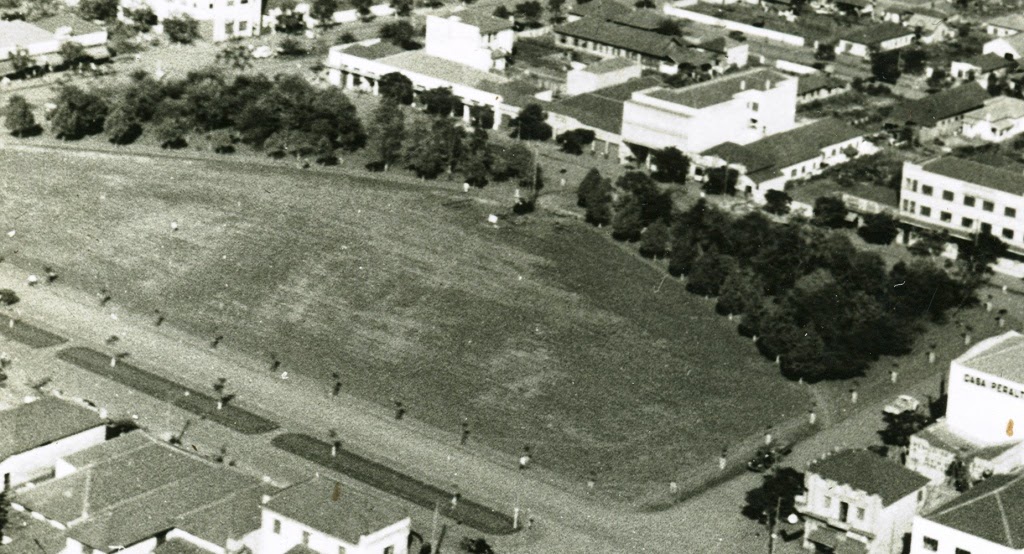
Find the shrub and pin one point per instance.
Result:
(8, 297)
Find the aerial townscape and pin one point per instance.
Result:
(511, 277)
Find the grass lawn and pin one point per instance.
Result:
(230, 416)
(539, 332)
(28, 335)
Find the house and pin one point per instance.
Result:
(35, 435)
(470, 37)
(219, 20)
(599, 111)
(1001, 118)
(930, 27)
(602, 74)
(937, 115)
(772, 162)
(597, 9)
(818, 86)
(1011, 47)
(985, 519)
(855, 7)
(609, 39)
(1005, 25)
(879, 37)
(740, 107)
(325, 517)
(858, 501)
(981, 68)
(990, 373)
(42, 39)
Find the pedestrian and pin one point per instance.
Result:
(893, 375)
(853, 396)
(768, 437)
(337, 389)
(275, 364)
(811, 417)
(104, 297)
(33, 280)
(216, 341)
(399, 411)
(465, 187)
(722, 460)
(455, 501)
(591, 481)
(159, 317)
(465, 437)
(673, 487)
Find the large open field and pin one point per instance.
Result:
(541, 333)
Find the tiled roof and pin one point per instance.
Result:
(928, 111)
(602, 108)
(610, 65)
(487, 23)
(1001, 357)
(993, 510)
(19, 33)
(46, 420)
(924, 21)
(332, 508)
(999, 108)
(875, 34)
(1010, 21)
(733, 153)
(643, 42)
(78, 25)
(624, 91)
(375, 51)
(647, 20)
(599, 9)
(418, 61)
(517, 93)
(717, 91)
(989, 62)
(178, 546)
(979, 174)
(1014, 41)
(866, 471)
(817, 81)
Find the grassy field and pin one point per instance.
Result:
(539, 332)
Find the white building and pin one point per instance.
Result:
(983, 520)
(34, 436)
(1011, 47)
(42, 39)
(598, 75)
(220, 20)
(981, 67)
(471, 37)
(741, 107)
(964, 197)
(1006, 25)
(1001, 118)
(326, 517)
(859, 502)
(881, 37)
(599, 111)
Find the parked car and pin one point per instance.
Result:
(903, 403)
(767, 456)
(262, 52)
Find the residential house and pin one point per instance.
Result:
(937, 115)
(35, 435)
(1001, 118)
(981, 68)
(219, 20)
(42, 39)
(931, 27)
(818, 86)
(1010, 48)
(1005, 25)
(878, 37)
(740, 107)
(602, 74)
(772, 162)
(983, 520)
(470, 37)
(323, 516)
(858, 501)
(599, 111)
(989, 374)
(597, 9)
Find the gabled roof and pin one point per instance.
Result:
(418, 61)
(517, 93)
(866, 471)
(28, 426)
(817, 81)
(978, 174)
(486, 22)
(993, 510)
(989, 62)
(925, 22)
(77, 25)
(733, 153)
(643, 42)
(647, 20)
(179, 546)
(1013, 21)
(1014, 41)
(722, 89)
(332, 508)
(928, 111)
(19, 33)
(601, 9)
(999, 108)
(876, 34)
(1002, 357)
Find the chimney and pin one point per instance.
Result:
(743, 84)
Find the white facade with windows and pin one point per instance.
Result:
(934, 538)
(477, 40)
(222, 19)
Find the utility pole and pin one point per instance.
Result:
(772, 523)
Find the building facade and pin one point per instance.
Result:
(469, 37)
(983, 520)
(220, 19)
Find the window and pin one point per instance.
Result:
(987, 206)
(947, 195)
(912, 184)
(1008, 234)
(1010, 212)
(828, 501)
(906, 204)
(277, 526)
(931, 544)
(844, 511)
(341, 549)
(860, 514)
(305, 538)
(927, 189)
(969, 201)
(926, 211)
(229, 28)
(986, 228)
(243, 26)
(967, 222)
(946, 216)
(754, 106)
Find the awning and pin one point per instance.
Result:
(824, 537)
(98, 52)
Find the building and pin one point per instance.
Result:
(981, 68)
(602, 74)
(42, 39)
(1005, 25)
(879, 37)
(1011, 47)
(599, 111)
(740, 107)
(818, 86)
(325, 517)
(471, 37)
(772, 162)
(964, 197)
(856, 8)
(34, 436)
(983, 520)
(219, 20)
(859, 502)
(937, 115)
(1001, 118)
(930, 27)
(597, 9)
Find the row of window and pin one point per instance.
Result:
(968, 200)
(932, 545)
(946, 217)
(844, 509)
(306, 537)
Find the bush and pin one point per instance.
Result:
(291, 46)
(777, 202)
(8, 297)
(182, 29)
(879, 229)
(572, 142)
(18, 117)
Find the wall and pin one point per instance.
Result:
(791, 67)
(396, 535)
(460, 42)
(579, 81)
(999, 31)
(929, 460)
(40, 461)
(852, 48)
(986, 426)
(898, 42)
(1000, 48)
(983, 130)
(785, 38)
(219, 13)
(950, 539)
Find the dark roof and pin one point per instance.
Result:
(990, 62)
(737, 154)
(78, 25)
(928, 111)
(855, 3)
(610, 65)
(602, 9)
(46, 420)
(876, 34)
(866, 471)
(643, 42)
(519, 93)
(623, 91)
(977, 173)
(993, 510)
(817, 81)
(486, 22)
(591, 110)
(647, 20)
(716, 91)
(332, 508)
(178, 546)
(376, 51)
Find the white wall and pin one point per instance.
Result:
(984, 130)
(460, 42)
(968, 389)
(1000, 48)
(41, 461)
(219, 13)
(997, 31)
(395, 535)
(785, 38)
(950, 539)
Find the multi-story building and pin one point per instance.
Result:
(219, 20)
(599, 111)
(983, 520)
(472, 38)
(859, 502)
(964, 197)
(741, 107)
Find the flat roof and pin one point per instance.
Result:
(866, 471)
(993, 510)
(483, 20)
(28, 426)
(339, 511)
(19, 33)
(723, 89)
(976, 173)
(418, 61)
(374, 51)
(609, 65)
(602, 108)
(77, 25)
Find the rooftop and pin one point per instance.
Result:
(602, 108)
(519, 93)
(928, 111)
(999, 108)
(648, 43)
(19, 33)
(601, 9)
(866, 471)
(989, 62)
(610, 65)
(1000, 356)
(817, 81)
(487, 23)
(1015, 41)
(993, 510)
(875, 34)
(339, 511)
(723, 89)
(178, 546)
(374, 51)
(77, 25)
(46, 420)
(1013, 21)
(647, 20)
(417, 61)
(979, 174)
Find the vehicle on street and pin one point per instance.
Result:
(767, 456)
(903, 403)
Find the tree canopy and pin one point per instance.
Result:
(531, 124)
